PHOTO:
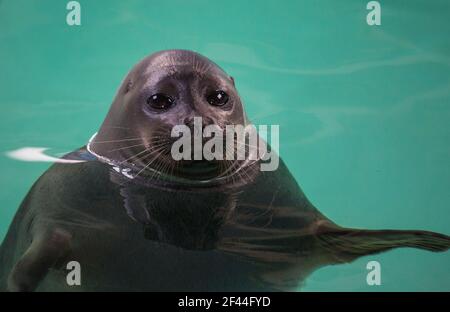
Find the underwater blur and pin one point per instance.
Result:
(363, 110)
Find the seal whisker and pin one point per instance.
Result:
(122, 148)
(135, 155)
(159, 167)
(151, 152)
(156, 157)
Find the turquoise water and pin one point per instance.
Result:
(363, 111)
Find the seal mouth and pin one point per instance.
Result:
(197, 169)
(182, 173)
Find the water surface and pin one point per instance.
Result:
(363, 111)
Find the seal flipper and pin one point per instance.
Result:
(44, 252)
(345, 244)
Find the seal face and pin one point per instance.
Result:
(165, 90)
(137, 219)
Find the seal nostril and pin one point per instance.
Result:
(189, 122)
(206, 121)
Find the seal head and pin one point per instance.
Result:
(164, 90)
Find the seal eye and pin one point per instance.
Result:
(160, 101)
(217, 98)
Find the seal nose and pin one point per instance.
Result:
(205, 121)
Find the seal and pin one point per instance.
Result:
(136, 219)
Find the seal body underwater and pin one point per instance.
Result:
(137, 220)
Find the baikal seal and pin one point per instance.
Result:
(134, 219)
